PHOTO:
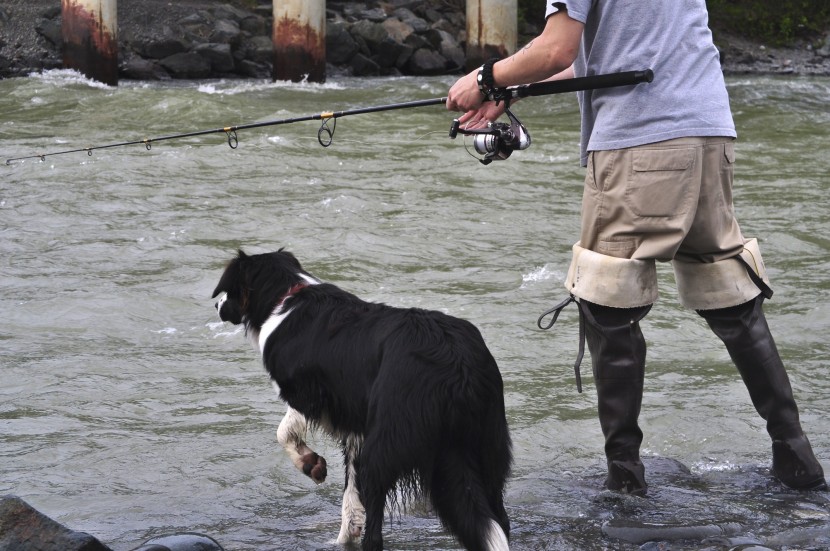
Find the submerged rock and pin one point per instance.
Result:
(181, 542)
(634, 531)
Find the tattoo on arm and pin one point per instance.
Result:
(527, 46)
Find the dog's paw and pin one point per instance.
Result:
(356, 525)
(314, 467)
(350, 531)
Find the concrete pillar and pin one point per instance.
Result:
(299, 37)
(89, 30)
(492, 30)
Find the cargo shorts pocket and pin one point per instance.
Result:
(660, 182)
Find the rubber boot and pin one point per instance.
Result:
(744, 331)
(618, 355)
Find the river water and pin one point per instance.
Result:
(128, 411)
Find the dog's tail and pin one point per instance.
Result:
(475, 461)
(496, 538)
(464, 502)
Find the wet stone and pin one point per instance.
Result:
(23, 528)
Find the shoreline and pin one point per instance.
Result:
(162, 39)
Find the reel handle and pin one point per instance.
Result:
(454, 128)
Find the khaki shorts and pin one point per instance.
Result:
(667, 201)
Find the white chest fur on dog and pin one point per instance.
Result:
(413, 396)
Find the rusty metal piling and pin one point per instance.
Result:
(89, 29)
(492, 30)
(299, 36)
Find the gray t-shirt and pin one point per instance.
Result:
(688, 96)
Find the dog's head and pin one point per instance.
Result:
(253, 285)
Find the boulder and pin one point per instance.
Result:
(398, 30)
(426, 62)
(219, 55)
(160, 48)
(186, 65)
(392, 54)
(406, 16)
(138, 68)
(255, 25)
(362, 66)
(260, 49)
(51, 31)
(23, 528)
(372, 34)
(227, 11)
(226, 31)
(252, 69)
(445, 44)
(181, 542)
(340, 46)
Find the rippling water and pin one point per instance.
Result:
(128, 411)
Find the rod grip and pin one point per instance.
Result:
(610, 80)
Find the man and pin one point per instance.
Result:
(658, 187)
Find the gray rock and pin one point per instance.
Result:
(638, 532)
(186, 65)
(430, 14)
(376, 15)
(252, 69)
(362, 66)
(260, 49)
(52, 12)
(392, 54)
(373, 34)
(445, 44)
(255, 25)
(340, 46)
(138, 68)
(398, 30)
(219, 55)
(227, 11)
(417, 41)
(426, 62)
(226, 31)
(418, 25)
(160, 48)
(181, 542)
(23, 528)
(51, 31)
(404, 4)
(193, 19)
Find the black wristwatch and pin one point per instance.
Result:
(485, 79)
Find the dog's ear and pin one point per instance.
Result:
(230, 277)
(291, 258)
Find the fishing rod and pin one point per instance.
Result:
(496, 142)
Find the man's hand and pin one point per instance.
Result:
(464, 94)
(478, 118)
(545, 57)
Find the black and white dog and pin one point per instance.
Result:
(414, 397)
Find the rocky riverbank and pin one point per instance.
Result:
(161, 39)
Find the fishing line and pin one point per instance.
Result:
(495, 143)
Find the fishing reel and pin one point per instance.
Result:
(498, 141)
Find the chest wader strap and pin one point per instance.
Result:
(765, 289)
(556, 310)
